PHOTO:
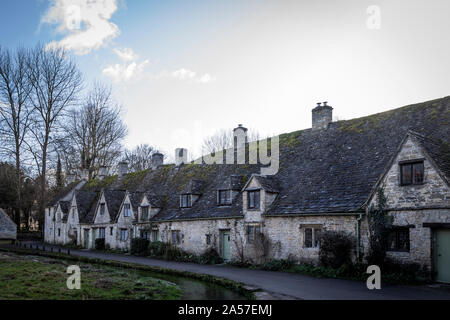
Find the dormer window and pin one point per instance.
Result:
(224, 197)
(185, 201)
(411, 172)
(102, 208)
(144, 213)
(253, 199)
(126, 210)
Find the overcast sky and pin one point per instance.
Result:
(183, 69)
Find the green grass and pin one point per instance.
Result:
(35, 277)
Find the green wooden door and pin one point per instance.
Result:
(442, 256)
(226, 245)
(86, 238)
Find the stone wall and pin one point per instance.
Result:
(414, 205)
(434, 192)
(288, 233)
(421, 238)
(8, 229)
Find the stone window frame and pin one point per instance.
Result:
(396, 231)
(208, 239)
(176, 237)
(111, 231)
(145, 217)
(188, 203)
(127, 210)
(101, 233)
(252, 230)
(257, 204)
(316, 231)
(228, 198)
(155, 235)
(411, 163)
(102, 208)
(123, 234)
(59, 232)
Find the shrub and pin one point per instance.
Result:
(277, 265)
(210, 256)
(156, 249)
(100, 244)
(336, 249)
(139, 246)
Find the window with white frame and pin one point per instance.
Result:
(176, 236)
(185, 201)
(101, 233)
(252, 232)
(123, 234)
(144, 213)
(126, 210)
(224, 197)
(253, 199)
(312, 237)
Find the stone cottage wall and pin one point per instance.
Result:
(414, 205)
(287, 234)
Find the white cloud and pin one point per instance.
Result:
(129, 69)
(186, 74)
(126, 54)
(183, 74)
(85, 23)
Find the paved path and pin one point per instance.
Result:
(281, 284)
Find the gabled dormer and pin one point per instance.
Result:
(73, 215)
(149, 206)
(191, 193)
(102, 212)
(417, 175)
(258, 194)
(127, 211)
(229, 189)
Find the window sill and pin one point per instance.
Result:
(412, 185)
(397, 251)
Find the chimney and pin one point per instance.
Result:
(102, 172)
(85, 174)
(180, 156)
(321, 116)
(70, 178)
(157, 160)
(239, 141)
(123, 168)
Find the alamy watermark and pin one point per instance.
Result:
(74, 280)
(374, 19)
(374, 280)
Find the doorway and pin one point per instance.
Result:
(226, 245)
(442, 255)
(86, 238)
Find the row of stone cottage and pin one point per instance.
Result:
(327, 179)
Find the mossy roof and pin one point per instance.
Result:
(321, 171)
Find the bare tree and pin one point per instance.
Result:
(15, 112)
(94, 132)
(139, 158)
(223, 139)
(56, 82)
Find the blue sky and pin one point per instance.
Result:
(184, 69)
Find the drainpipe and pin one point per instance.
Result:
(358, 221)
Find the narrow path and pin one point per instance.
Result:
(280, 284)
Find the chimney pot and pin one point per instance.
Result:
(322, 116)
(157, 160)
(123, 168)
(180, 156)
